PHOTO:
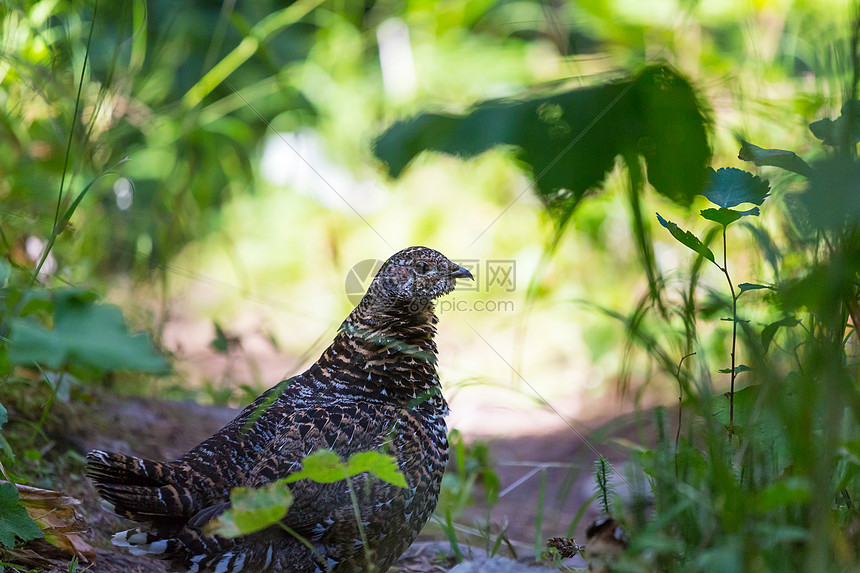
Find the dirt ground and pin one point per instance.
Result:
(164, 430)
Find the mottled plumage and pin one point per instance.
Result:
(374, 388)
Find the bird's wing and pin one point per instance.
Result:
(344, 428)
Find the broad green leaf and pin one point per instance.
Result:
(4, 416)
(832, 200)
(38, 300)
(687, 239)
(253, 509)
(833, 133)
(85, 334)
(729, 187)
(571, 139)
(726, 217)
(322, 466)
(787, 160)
(380, 465)
(14, 519)
(755, 418)
(669, 130)
(770, 330)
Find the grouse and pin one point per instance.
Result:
(374, 388)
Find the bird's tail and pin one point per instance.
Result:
(141, 489)
(159, 495)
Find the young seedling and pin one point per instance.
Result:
(256, 509)
(726, 188)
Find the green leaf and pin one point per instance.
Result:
(738, 369)
(687, 239)
(726, 217)
(770, 330)
(325, 466)
(322, 466)
(833, 132)
(14, 519)
(220, 343)
(787, 160)
(253, 509)
(672, 133)
(7, 450)
(753, 419)
(729, 187)
(832, 200)
(571, 139)
(85, 334)
(4, 416)
(37, 300)
(380, 465)
(791, 491)
(744, 287)
(723, 216)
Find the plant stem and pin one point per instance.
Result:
(361, 533)
(680, 408)
(725, 269)
(304, 541)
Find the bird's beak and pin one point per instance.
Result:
(461, 273)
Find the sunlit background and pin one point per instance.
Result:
(250, 188)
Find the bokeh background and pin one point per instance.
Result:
(242, 186)
(229, 152)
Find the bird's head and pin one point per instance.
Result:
(412, 278)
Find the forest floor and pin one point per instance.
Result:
(535, 453)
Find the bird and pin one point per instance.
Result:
(375, 388)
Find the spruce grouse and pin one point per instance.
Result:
(374, 388)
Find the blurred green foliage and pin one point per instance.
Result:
(86, 335)
(570, 140)
(132, 145)
(765, 477)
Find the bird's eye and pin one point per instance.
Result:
(422, 268)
